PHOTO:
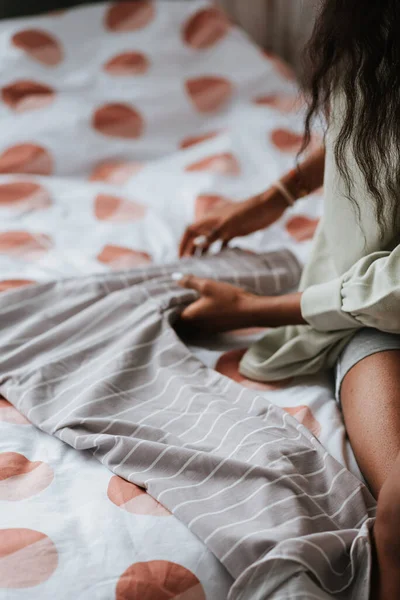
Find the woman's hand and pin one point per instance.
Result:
(225, 223)
(223, 307)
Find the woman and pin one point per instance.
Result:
(347, 314)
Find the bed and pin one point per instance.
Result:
(111, 144)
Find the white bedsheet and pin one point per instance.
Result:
(98, 111)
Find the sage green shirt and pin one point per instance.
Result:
(351, 281)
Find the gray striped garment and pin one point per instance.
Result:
(95, 361)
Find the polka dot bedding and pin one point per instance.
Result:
(121, 123)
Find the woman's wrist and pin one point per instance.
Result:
(308, 177)
(276, 311)
(273, 200)
(281, 195)
(295, 185)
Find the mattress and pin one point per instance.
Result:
(121, 124)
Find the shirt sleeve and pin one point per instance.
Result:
(368, 295)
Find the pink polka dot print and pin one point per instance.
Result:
(281, 66)
(290, 142)
(115, 171)
(129, 16)
(208, 202)
(228, 365)
(113, 208)
(26, 158)
(40, 46)
(127, 63)
(158, 580)
(286, 141)
(197, 139)
(223, 164)
(133, 499)
(27, 95)
(118, 120)
(301, 228)
(24, 194)
(27, 558)
(209, 94)
(12, 284)
(20, 478)
(118, 257)
(24, 244)
(9, 414)
(304, 415)
(283, 103)
(205, 28)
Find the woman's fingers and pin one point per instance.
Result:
(213, 236)
(198, 284)
(202, 243)
(193, 311)
(201, 286)
(225, 244)
(200, 238)
(192, 244)
(191, 247)
(186, 241)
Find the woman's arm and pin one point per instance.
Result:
(222, 307)
(367, 295)
(276, 311)
(243, 218)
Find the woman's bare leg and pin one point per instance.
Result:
(370, 399)
(386, 581)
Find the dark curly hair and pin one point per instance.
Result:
(355, 48)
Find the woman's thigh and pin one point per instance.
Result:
(370, 398)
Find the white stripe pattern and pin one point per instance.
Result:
(242, 474)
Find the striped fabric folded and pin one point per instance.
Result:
(95, 361)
